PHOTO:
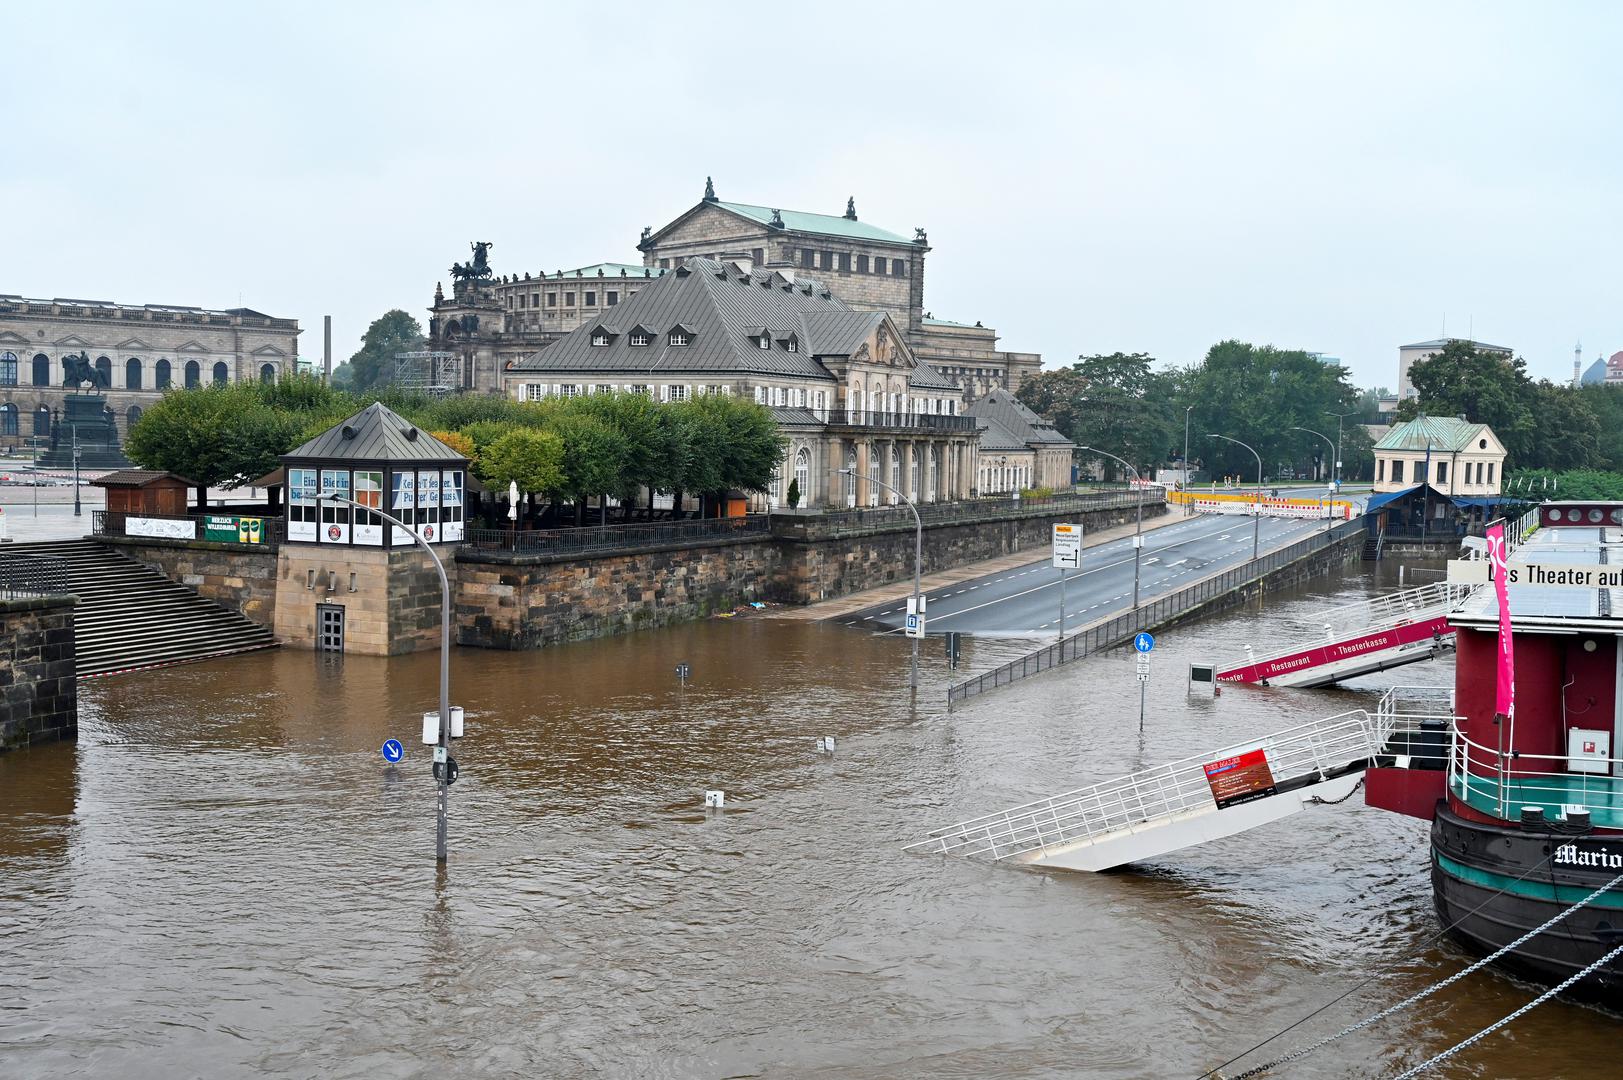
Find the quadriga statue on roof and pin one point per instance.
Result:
(479, 268)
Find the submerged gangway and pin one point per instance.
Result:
(1150, 813)
(1355, 639)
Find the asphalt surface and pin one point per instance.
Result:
(1024, 602)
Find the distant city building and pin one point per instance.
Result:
(1408, 354)
(1325, 358)
(1605, 371)
(1018, 448)
(491, 322)
(1455, 456)
(132, 353)
(843, 384)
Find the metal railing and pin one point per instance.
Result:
(981, 509)
(32, 575)
(272, 530)
(873, 418)
(1124, 626)
(1307, 753)
(615, 537)
(1501, 781)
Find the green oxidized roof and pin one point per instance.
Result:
(824, 224)
(1444, 433)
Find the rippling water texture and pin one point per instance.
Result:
(224, 879)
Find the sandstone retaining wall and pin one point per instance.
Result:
(39, 694)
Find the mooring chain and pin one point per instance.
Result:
(1430, 990)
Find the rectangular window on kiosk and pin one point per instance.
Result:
(451, 512)
(335, 517)
(369, 492)
(403, 505)
(428, 505)
(302, 514)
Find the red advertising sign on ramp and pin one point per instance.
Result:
(1240, 777)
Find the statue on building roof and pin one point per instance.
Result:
(851, 208)
(709, 190)
(647, 238)
(919, 237)
(479, 268)
(777, 220)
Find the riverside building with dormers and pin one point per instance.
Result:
(131, 352)
(843, 383)
(489, 322)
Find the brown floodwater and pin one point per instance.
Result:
(224, 879)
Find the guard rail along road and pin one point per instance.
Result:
(1112, 633)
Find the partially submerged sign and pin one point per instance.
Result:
(1240, 777)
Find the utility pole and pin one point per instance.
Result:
(75, 428)
(1188, 506)
(1256, 503)
(1138, 528)
(1333, 449)
(1339, 417)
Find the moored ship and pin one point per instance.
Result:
(1525, 795)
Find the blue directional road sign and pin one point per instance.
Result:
(393, 751)
(1143, 642)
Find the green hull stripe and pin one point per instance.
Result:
(1533, 890)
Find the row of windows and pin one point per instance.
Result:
(43, 372)
(815, 259)
(1475, 471)
(10, 417)
(670, 392)
(429, 500)
(678, 339)
(611, 298)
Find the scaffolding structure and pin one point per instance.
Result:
(428, 371)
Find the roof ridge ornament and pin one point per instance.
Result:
(710, 190)
(851, 208)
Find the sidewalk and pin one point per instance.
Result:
(845, 605)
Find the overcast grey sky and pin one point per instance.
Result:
(1093, 176)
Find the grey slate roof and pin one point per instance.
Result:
(725, 309)
(376, 433)
(1013, 416)
(926, 377)
(994, 436)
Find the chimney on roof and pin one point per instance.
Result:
(851, 208)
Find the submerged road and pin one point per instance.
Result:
(1024, 601)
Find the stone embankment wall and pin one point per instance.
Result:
(39, 695)
(240, 578)
(528, 601)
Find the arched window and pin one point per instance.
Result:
(132, 373)
(8, 420)
(803, 473)
(221, 373)
(875, 472)
(894, 495)
(160, 375)
(132, 417)
(104, 371)
(194, 374)
(850, 476)
(42, 370)
(42, 421)
(8, 369)
(267, 373)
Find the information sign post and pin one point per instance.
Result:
(1067, 557)
(1143, 642)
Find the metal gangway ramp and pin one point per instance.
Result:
(1355, 639)
(1147, 814)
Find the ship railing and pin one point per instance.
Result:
(1504, 782)
(1306, 753)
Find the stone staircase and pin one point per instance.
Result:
(130, 616)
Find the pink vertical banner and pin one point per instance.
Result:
(1505, 697)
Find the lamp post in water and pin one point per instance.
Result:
(1256, 513)
(1138, 527)
(443, 773)
(918, 564)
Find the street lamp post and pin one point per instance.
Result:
(75, 469)
(1334, 449)
(445, 663)
(1340, 416)
(1189, 505)
(1138, 527)
(1256, 516)
(918, 564)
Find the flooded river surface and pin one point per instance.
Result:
(223, 878)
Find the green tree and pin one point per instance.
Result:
(594, 458)
(215, 435)
(1566, 432)
(1606, 405)
(1117, 403)
(730, 443)
(649, 439)
(394, 331)
(529, 457)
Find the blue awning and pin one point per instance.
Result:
(1488, 501)
(1378, 501)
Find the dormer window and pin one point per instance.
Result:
(794, 346)
(638, 341)
(599, 340)
(765, 342)
(677, 339)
